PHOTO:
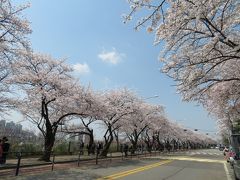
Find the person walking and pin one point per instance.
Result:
(81, 148)
(98, 148)
(1, 151)
(125, 148)
(5, 148)
(88, 149)
(93, 148)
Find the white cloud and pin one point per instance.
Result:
(81, 68)
(112, 57)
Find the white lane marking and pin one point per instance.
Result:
(227, 172)
(204, 153)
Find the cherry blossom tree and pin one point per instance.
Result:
(4, 86)
(222, 101)
(13, 30)
(82, 128)
(85, 123)
(169, 133)
(117, 104)
(199, 38)
(140, 121)
(177, 133)
(50, 95)
(13, 37)
(201, 49)
(158, 131)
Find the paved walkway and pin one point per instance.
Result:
(12, 163)
(65, 165)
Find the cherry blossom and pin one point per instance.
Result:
(201, 49)
(13, 37)
(50, 95)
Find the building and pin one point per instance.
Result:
(15, 132)
(2, 127)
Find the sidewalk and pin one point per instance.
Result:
(72, 172)
(31, 166)
(26, 162)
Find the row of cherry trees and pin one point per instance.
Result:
(201, 51)
(50, 96)
(44, 90)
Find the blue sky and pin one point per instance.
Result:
(108, 53)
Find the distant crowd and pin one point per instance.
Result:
(91, 148)
(4, 148)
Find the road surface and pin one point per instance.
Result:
(191, 165)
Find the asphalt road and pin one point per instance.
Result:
(191, 165)
(173, 170)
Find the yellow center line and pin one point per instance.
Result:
(126, 173)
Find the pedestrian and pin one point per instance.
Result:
(88, 149)
(5, 148)
(99, 147)
(225, 151)
(131, 149)
(1, 151)
(125, 148)
(121, 148)
(93, 148)
(142, 148)
(81, 148)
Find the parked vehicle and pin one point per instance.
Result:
(236, 167)
(221, 147)
(235, 160)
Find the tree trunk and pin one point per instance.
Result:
(48, 145)
(118, 147)
(134, 140)
(134, 147)
(173, 145)
(160, 145)
(91, 142)
(49, 135)
(117, 141)
(106, 148)
(149, 144)
(108, 141)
